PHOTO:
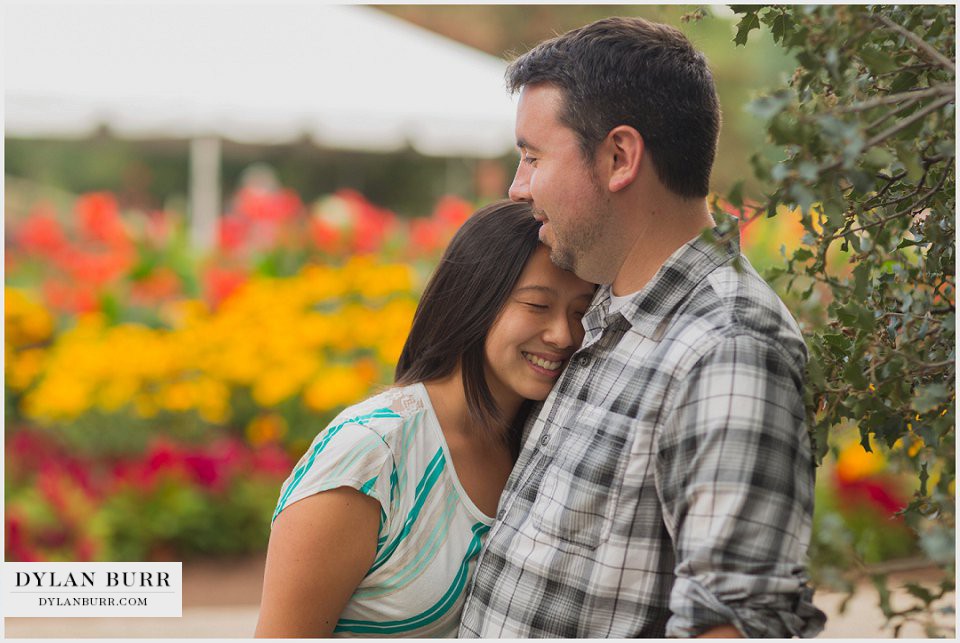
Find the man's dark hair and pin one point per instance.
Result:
(462, 300)
(628, 71)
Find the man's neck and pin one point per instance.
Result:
(662, 229)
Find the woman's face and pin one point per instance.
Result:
(537, 331)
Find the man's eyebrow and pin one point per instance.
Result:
(525, 145)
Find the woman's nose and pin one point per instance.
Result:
(559, 333)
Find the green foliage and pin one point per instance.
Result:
(866, 127)
(178, 520)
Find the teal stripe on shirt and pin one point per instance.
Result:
(430, 477)
(320, 446)
(425, 556)
(434, 613)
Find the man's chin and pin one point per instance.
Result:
(561, 259)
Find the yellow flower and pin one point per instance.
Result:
(58, 397)
(275, 336)
(335, 387)
(26, 320)
(145, 406)
(177, 396)
(23, 367)
(213, 400)
(116, 394)
(266, 428)
(854, 463)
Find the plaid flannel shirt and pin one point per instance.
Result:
(667, 484)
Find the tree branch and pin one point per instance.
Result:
(893, 99)
(890, 131)
(916, 205)
(932, 53)
(891, 180)
(900, 70)
(908, 121)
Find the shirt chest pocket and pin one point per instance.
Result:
(578, 495)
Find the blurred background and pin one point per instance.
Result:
(217, 225)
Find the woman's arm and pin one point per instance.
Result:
(319, 551)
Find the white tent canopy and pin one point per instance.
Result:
(347, 77)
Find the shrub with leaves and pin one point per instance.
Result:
(866, 131)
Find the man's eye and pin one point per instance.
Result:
(532, 160)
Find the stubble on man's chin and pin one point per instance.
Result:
(561, 258)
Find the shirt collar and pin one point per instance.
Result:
(683, 270)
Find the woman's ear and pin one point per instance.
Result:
(625, 145)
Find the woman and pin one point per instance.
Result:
(377, 530)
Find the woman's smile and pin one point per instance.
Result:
(544, 364)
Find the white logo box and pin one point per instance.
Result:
(92, 589)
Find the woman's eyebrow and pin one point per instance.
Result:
(544, 289)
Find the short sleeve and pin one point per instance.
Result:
(346, 454)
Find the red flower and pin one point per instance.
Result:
(99, 218)
(204, 469)
(234, 231)
(220, 283)
(875, 492)
(272, 460)
(18, 549)
(257, 204)
(41, 233)
(162, 284)
(325, 236)
(77, 298)
(452, 211)
(370, 223)
(425, 235)
(95, 268)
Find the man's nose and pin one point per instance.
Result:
(520, 188)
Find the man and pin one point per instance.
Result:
(666, 487)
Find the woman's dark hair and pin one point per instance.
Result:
(465, 295)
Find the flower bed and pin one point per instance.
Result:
(156, 398)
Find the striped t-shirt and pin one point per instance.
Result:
(390, 447)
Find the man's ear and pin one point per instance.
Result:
(626, 148)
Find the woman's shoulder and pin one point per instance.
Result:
(361, 448)
(386, 412)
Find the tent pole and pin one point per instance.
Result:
(204, 192)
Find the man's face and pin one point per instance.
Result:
(561, 186)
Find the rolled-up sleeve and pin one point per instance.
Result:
(735, 475)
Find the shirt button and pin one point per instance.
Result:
(583, 360)
(501, 514)
(544, 439)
